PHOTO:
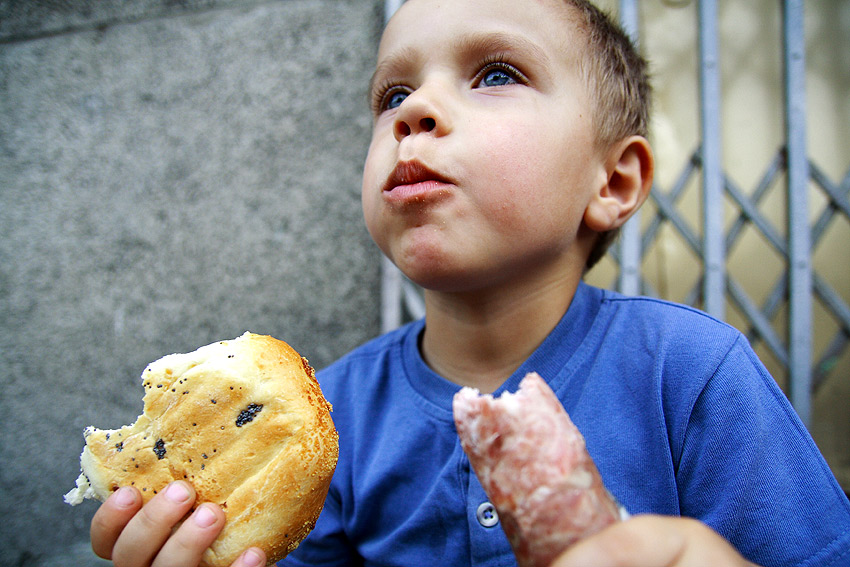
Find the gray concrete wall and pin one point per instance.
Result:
(171, 174)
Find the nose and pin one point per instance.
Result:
(423, 111)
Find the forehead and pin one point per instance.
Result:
(424, 25)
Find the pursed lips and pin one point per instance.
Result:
(413, 181)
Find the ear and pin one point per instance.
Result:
(629, 167)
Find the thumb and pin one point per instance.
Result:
(653, 541)
(637, 542)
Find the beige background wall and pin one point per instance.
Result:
(753, 131)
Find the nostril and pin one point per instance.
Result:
(402, 129)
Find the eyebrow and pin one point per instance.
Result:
(393, 65)
(500, 42)
(473, 44)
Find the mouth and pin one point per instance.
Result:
(413, 180)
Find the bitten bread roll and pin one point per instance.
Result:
(534, 467)
(245, 422)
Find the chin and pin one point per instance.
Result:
(434, 268)
(434, 276)
(443, 279)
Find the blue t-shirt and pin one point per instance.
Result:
(678, 413)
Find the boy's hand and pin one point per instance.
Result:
(136, 536)
(653, 541)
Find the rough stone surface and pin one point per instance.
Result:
(171, 174)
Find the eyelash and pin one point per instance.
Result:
(498, 62)
(382, 94)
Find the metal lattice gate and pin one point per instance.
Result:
(798, 286)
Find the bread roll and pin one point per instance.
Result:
(245, 422)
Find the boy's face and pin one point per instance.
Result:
(482, 158)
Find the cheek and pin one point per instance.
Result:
(528, 177)
(374, 173)
(369, 195)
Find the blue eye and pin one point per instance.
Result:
(394, 99)
(499, 74)
(497, 78)
(388, 97)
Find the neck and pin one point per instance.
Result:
(479, 339)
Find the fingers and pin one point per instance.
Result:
(254, 557)
(133, 535)
(146, 533)
(195, 535)
(653, 541)
(192, 538)
(111, 518)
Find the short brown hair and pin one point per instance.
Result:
(618, 80)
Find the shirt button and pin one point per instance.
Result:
(487, 515)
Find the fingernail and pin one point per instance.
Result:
(125, 497)
(177, 492)
(204, 517)
(251, 559)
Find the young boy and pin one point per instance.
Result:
(508, 145)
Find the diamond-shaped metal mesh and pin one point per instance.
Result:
(761, 317)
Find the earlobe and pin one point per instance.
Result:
(629, 170)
